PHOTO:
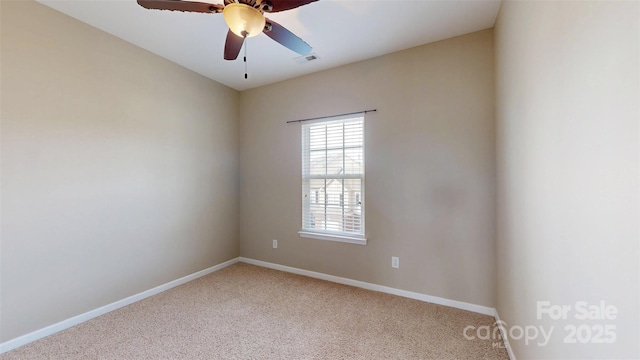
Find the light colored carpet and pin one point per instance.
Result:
(249, 312)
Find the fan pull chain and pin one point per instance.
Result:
(245, 56)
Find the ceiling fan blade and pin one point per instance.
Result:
(232, 46)
(282, 5)
(285, 37)
(178, 5)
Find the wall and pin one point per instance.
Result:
(429, 169)
(567, 119)
(119, 169)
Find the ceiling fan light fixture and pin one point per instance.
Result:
(243, 18)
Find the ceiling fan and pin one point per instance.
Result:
(245, 18)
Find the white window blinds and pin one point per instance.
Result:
(333, 176)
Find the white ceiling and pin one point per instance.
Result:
(340, 32)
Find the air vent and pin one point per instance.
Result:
(306, 58)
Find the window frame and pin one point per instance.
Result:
(330, 235)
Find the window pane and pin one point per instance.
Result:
(353, 161)
(335, 162)
(353, 134)
(317, 186)
(335, 136)
(318, 162)
(317, 137)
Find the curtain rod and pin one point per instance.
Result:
(326, 117)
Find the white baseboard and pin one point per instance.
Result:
(503, 333)
(65, 324)
(369, 286)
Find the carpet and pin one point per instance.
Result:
(249, 312)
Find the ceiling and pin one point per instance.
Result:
(340, 32)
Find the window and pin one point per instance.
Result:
(333, 179)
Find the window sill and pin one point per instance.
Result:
(330, 237)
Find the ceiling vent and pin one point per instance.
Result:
(306, 58)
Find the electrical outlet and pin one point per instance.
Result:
(275, 243)
(395, 262)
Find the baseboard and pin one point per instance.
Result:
(369, 286)
(503, 333)
(65, 324)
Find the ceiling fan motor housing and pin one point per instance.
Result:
(244, 20)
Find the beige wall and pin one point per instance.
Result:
(119, 169)
(567, 120)
(429, 169)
